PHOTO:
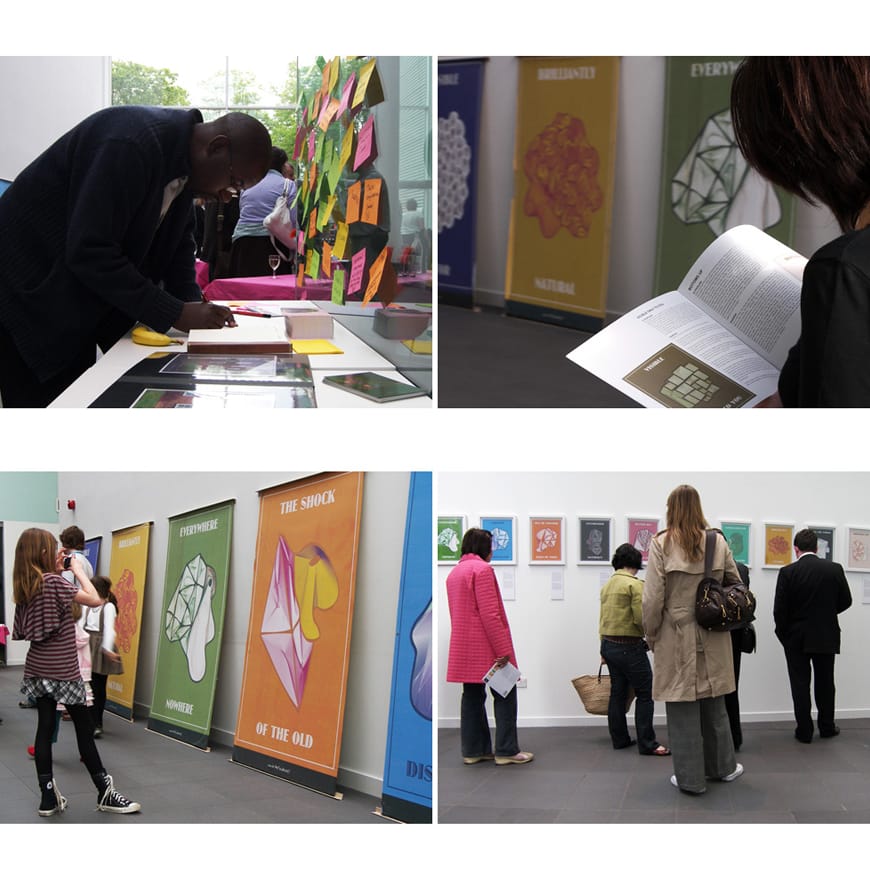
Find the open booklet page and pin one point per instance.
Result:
(502, 679)
(717, 341)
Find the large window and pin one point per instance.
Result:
(274, 89)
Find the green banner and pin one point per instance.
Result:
(707, 186)
(191, 623)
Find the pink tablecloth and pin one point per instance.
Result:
(201, 274)
(281, 287)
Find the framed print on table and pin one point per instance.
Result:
(596, 534)
(825, 534)
(778, 539)
(858, 558)
(450, 531)
(639, 533)
(546, 540)
(504, 538)
(737, 534)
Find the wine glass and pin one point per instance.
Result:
(274, 262)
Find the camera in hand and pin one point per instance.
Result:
(67, 561)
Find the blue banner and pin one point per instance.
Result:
(92, 552)
(407, 791)
(460, 87)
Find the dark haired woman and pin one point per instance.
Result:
(99, 623)
(692, 667)
(624, 652)
(43, 616)
(480, 637)
(804, 124)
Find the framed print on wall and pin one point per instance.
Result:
(504, 538)
(737, 534)
(546, 540)
(450, 531)
(825, 534)
(778, 539)
(639, 533)
(858, 558)
(596, 534)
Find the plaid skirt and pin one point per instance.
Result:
(69, 692)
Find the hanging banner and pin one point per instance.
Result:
(92, 552)
(460, 88)
(564, 156)
(127, 570)
(407, 791)
(191, 623)
(707, 186)
(294, 681)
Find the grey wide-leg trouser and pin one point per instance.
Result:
(699, 736)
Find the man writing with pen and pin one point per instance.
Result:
(97, 234)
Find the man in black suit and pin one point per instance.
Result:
(809, 594)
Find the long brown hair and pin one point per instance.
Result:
(686, 523)
(35, 555)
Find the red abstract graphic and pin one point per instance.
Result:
(125, 624)
(778, 545)
(562, 169)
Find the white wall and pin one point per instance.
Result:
(107, 502)
(636, 191)
(558, 640)
(43, 97)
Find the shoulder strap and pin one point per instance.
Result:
(709, 548)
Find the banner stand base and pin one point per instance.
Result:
(461, 296)
(154, 728)
(338, 796)
(379, 811)
(583, 322)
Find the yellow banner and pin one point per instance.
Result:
(128, 567)
(564, 156)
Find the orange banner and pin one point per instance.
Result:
(294, 682)
(127, 570)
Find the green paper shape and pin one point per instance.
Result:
(338, 287)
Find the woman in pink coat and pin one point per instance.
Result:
(480, 636)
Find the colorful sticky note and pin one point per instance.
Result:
(333, 171)
(369, 87)
(326, 210)
(300, 274)
(371, 200)
(346, 94)
(338, 287)
(327, 113)
(376, 272)
(312, 144)
(313, 264)
(366, 145)
(389, 288)
(300, 139)
(357, 267)
(300, 242)
(333, 74)
(312, 223)
(354, 192)
(326, 260)
(340, 241)
(346, 147)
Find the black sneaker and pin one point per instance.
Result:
(52, 802)
(113, 801)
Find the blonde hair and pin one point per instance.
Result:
(686, 523)
(35, 555)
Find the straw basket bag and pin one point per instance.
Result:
(594, 692)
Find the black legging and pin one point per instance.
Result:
(98, 686)
(81, 718)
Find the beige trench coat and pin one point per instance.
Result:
(689, 662)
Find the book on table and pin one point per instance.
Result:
(719, 340)
(251, 335)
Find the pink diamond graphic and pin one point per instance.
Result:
(280, 632)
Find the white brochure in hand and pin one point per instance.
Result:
(501, 680)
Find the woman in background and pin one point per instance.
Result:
(692, 667)
(480, 637)
(624, 652)
(99, 623)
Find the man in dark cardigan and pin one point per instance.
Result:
(97, 234)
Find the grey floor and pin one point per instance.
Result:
(489, 360)
(577, 777)
(173, 782)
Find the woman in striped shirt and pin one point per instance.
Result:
(43, 616)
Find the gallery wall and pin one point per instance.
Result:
(556, 640)
(636, 191)
(106, 502)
